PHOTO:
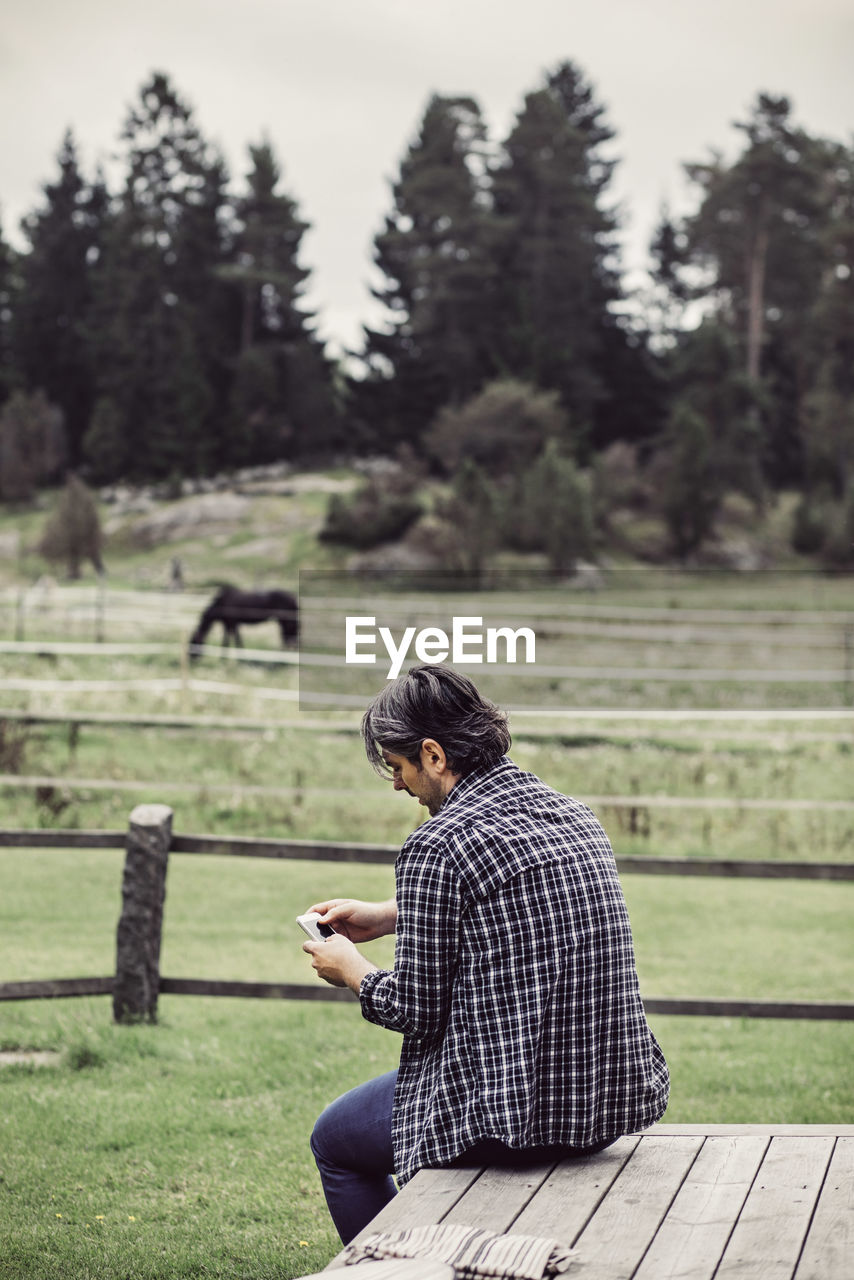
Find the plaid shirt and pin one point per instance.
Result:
(514, 981)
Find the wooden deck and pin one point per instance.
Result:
(729, 1202)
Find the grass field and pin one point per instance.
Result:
(180, 1150)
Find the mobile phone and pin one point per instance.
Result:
(310, 924)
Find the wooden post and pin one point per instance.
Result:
(143, 893)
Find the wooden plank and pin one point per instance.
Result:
(693, 1235)
(56, 988)
(769, 1130)
(398, 1269)
(17, 839)
(309, 850)
(573, 1191)
(428, 1198)
(253, 990)
(816, 1010)
(641, 864)
(767, 1240)
(156, 720)
(495, 1201)
(615, 1240)
(339, 851)
(830, 1244)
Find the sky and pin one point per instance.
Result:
(339, 88)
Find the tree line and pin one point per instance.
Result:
(158, 330)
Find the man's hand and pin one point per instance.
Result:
(338, 962)
(358, 921)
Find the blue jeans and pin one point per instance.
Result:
(351, 1143)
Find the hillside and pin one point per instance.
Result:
(260, 527)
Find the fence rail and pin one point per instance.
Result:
(149, 841)
(385, 854)
(58, 988)
(637, 802)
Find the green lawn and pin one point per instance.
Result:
(180, 1150)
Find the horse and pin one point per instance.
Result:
(234, 608)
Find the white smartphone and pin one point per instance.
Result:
(310, 924)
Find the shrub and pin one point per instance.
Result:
(502, 429)
(838, 548)
(811, 522)
(73, 532)
(552, 511)
(369, 517)
(471, 518)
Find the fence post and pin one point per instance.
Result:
(139, 929)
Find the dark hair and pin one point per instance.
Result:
(435, 702)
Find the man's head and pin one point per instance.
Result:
(431, 727)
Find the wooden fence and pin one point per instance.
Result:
(149, 841)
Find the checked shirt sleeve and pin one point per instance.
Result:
(414, 997)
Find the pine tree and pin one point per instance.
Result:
(707, 377)
(8, 298)
(554, 511)
(33, 446)
(471, 514)
(282, 401)
(436, 256)
(158, 289)
(53, 311)
(827, 414)
(558, 269)
(758, 239)
(691, 490)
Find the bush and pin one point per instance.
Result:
(838, 548)
(369, 517)
(619, 482)
(811, 523)
(73, 532)
(471, 518)
(502, 429)
(552, 511)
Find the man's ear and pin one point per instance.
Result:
(433, 756)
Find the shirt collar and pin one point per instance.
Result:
(475, 780)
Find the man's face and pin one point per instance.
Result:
(417, 780)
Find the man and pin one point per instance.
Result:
(514, 983)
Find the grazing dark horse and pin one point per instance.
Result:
(234, 608)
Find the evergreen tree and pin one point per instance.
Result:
(758, 228)
(53, 312)
(759, 240)
(282, 401)
(8, 292)
(827, 415)
(711, 442)
(707, 377)
(33, 448)
(472, 520)
(558, 267)
(159, 290)
(436, 255)
(692, 490)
